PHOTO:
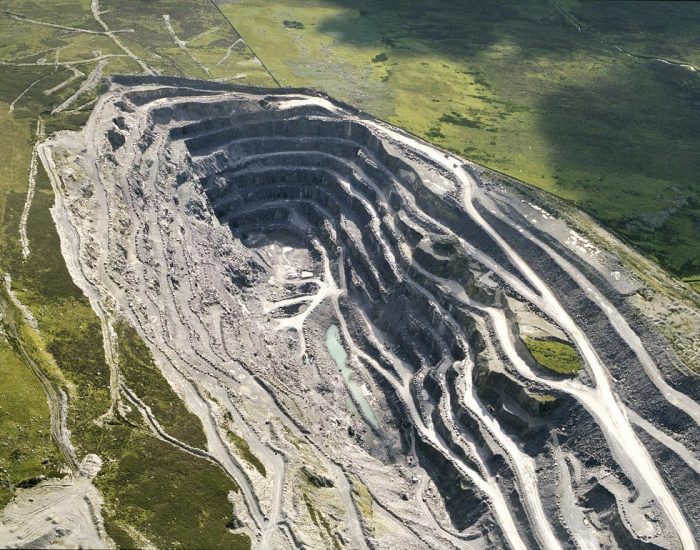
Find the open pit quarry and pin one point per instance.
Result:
(352, 302)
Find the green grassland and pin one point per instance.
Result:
(152, 489)
(517, 87)
(554, 355)
(143, 377)
(186, 508)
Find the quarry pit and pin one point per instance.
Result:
(354, 303)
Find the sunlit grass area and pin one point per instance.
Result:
(151, 488)
(554, 355)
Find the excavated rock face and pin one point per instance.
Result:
(344, 297)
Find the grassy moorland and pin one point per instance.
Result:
(53, 56)
(565, 96)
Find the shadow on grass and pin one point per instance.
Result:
(626, 141)
(451, 28)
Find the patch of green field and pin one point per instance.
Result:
(554, 355)
(174, 499)
(244, 449)
(15, 154)
(310, 57)
(516, 87)
(143, 377)
(362, 498)
(26, 448)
